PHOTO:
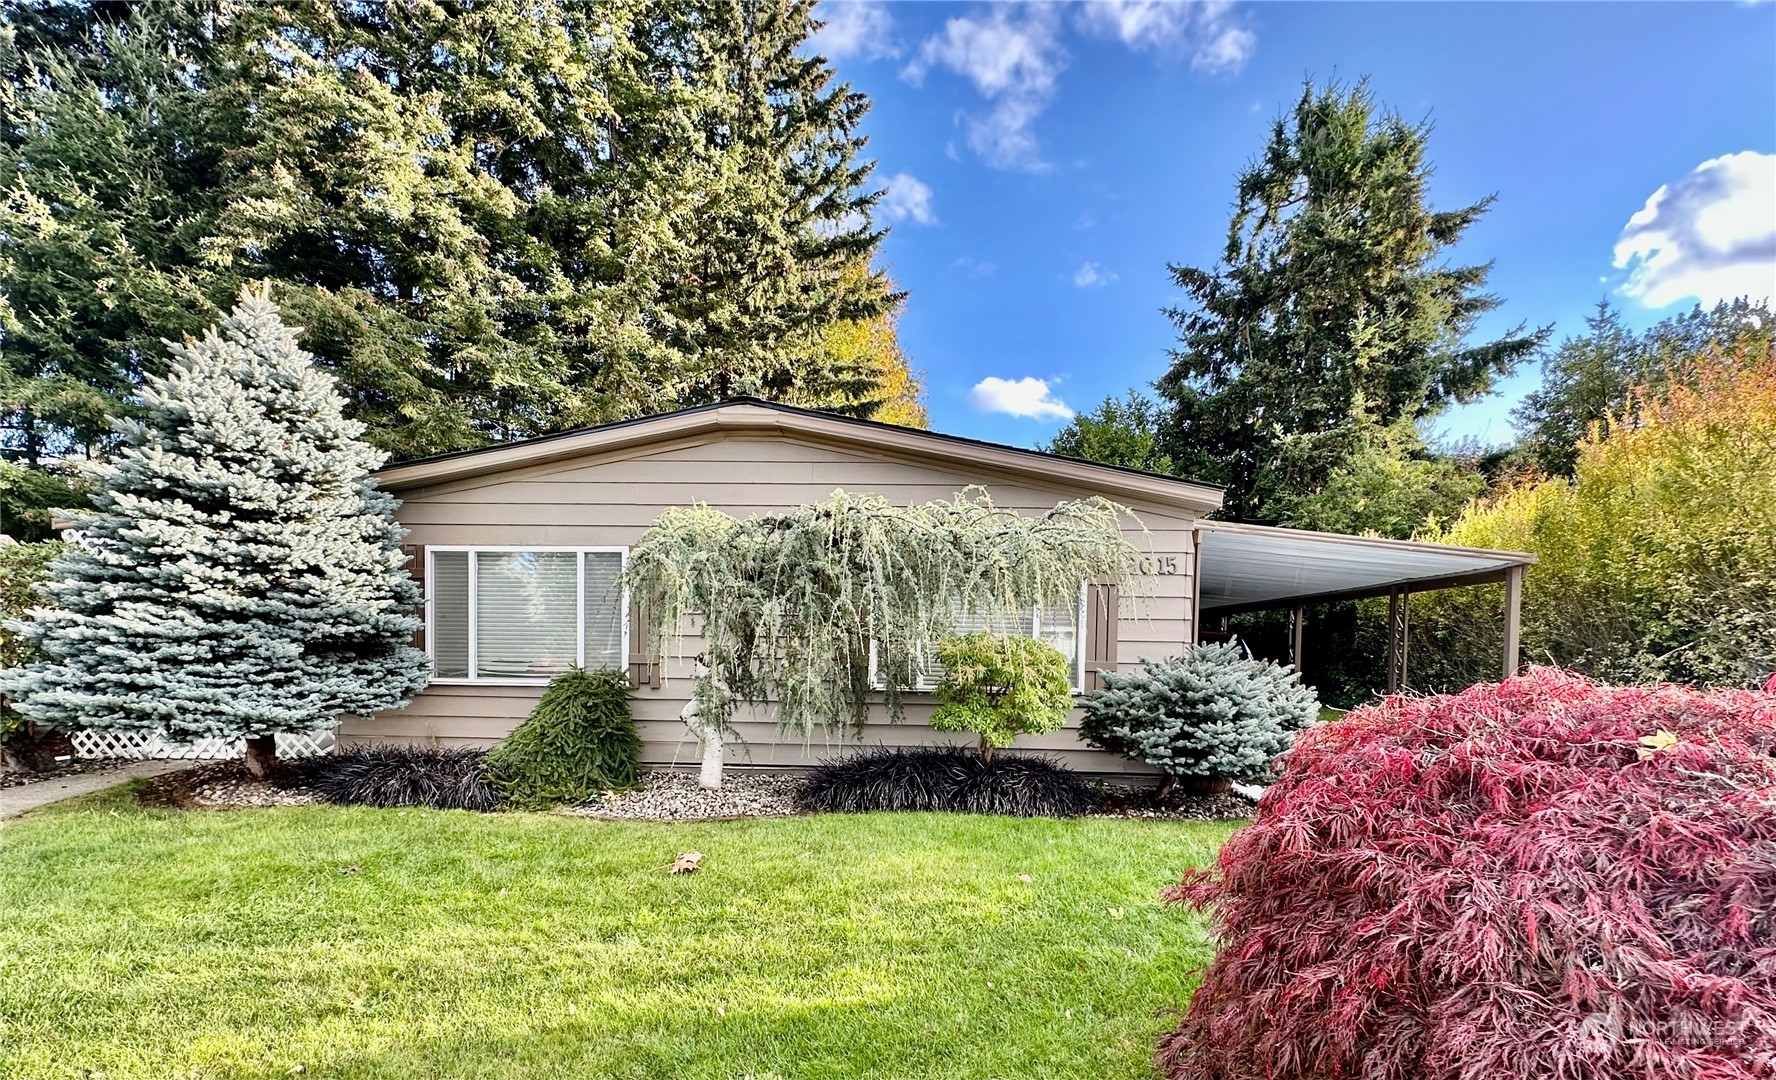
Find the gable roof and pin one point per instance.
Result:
(751, 416)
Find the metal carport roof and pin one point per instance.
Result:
(1252, 567)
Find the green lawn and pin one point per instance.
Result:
(163, 945)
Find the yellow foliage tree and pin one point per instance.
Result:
(1658, 558)
(883, 386)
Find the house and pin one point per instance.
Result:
(520, 548)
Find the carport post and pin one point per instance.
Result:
(1297, 619)
(1513, 619)
(1399, 635)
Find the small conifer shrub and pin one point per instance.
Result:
(1000, 686)
(578, 741)
(1209, 716)
(1537, 878)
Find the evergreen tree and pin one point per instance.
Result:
(768, 179)
(1330, 317)
(111, 158)
(1124, 432)
(241, 575)
(1590, 378)
(494, 220)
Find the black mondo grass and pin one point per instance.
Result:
(395, 776)
(957, 780)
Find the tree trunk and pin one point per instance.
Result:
(986, 749)
(1206, 785)
(710, 778)
(261, 756)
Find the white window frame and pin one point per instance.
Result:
(1078, 686)
(431, 612)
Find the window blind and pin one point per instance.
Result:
(449, 631)
(604, 610)
(526, 622)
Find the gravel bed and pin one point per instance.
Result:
(222, 785)
(1125, 801)
(676, 796)
(71, 767)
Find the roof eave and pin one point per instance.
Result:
(746, 418)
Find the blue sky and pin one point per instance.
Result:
(1045, 161)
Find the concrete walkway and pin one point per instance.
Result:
(16, 800)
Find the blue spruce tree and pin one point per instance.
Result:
(240, 575)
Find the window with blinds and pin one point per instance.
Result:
(511, 614)
(1059, 625)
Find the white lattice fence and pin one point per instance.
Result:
(136, 746)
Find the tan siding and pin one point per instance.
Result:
(610, 501)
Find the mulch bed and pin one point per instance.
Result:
(220, 785)
(71, 767)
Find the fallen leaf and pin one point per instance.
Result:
(1659, 740)
(686, 863)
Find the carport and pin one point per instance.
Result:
(1245, 568)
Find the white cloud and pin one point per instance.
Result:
(1209, 30)
(1092, 275)
(855, 28)
(1013, 56)
(1027, 397)
(908, 199)
(975, 268)
(1711, 236)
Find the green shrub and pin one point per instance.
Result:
(1208, 715)
(578, 741)
(22, 566)
(1001, 686)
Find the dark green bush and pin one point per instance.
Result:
(951, 779)
(395, 775)
(578, 741)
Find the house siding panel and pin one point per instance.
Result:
(610, 501)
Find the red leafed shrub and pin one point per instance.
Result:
(1537, 878)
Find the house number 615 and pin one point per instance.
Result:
(1159, 564)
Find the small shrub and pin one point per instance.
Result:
(1209, 715)
(1000, 686)
(950, 779)
(1539, 878)
(578, 741)
(22, 567)
(395, 775)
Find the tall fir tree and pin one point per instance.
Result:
(1331, 316)
(240, 575)
(778, 206)
(494, 220)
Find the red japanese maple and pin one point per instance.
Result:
(1537, 878)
